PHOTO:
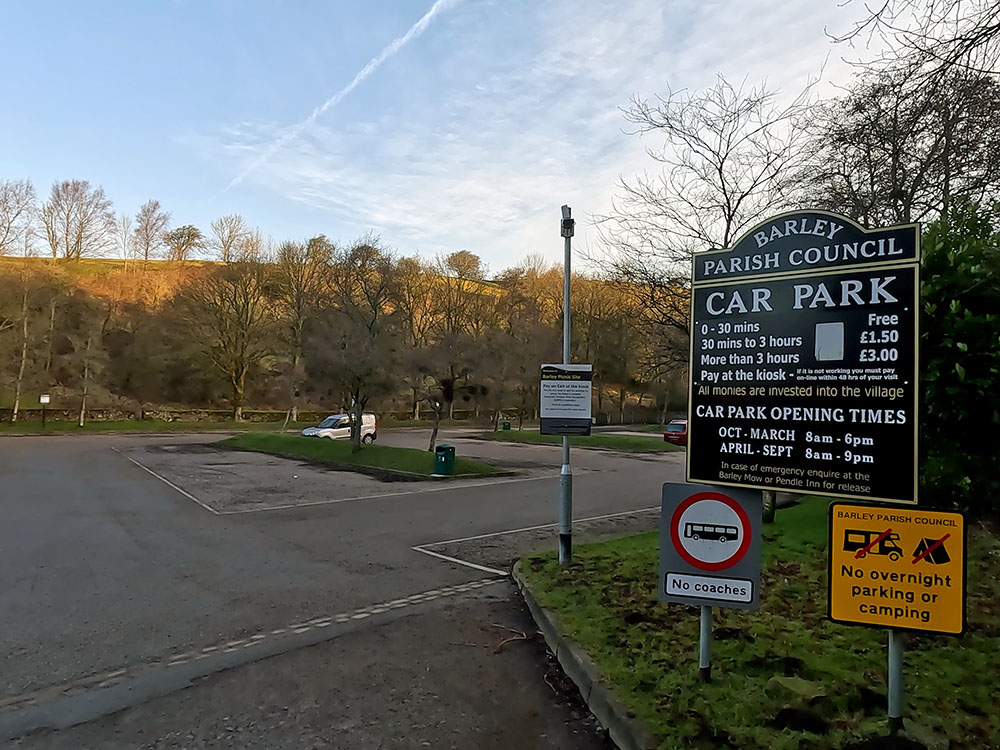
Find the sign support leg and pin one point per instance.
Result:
(770, 505)
(705, 645)
(895, 680)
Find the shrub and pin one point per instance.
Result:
(960, 361)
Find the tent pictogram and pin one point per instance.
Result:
(932, 550)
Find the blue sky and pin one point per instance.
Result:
(468, 136)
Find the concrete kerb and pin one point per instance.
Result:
(626, 732)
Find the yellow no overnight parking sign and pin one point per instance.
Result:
(897, 568)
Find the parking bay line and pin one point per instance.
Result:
(466, 563)
(422, 548)
(332, 501)
(170, 484)
(540, 526)
(424, 491)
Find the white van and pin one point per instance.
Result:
(339, 426)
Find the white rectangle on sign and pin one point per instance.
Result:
(709, 587)
(43, 399)
(829, 342)
(566, 392)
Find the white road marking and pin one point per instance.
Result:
(422, 548)
(170, 484)
(474, 566)
(536, 528)
(336, 500)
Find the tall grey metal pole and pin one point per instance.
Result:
(566, 473)
(895, 680)
(705, 645)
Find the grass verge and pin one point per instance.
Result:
(783, 677)
(138, 425)
(627, 443)
(339, 453)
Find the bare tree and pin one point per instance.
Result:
(78, 220)
(228, 233)
(151, 224)
(300, 275)
(464, 265)
(413, 296)
(17, 211)
(459, 287)
(728, 156)
(124, 237)
(450, 353)
(896, 150)
(251, 245)
(90, 352)
(353, 345)
(26, 291)
(227, 316)
(182, 242)
(937, 36)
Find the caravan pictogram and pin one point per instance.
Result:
(866, 542)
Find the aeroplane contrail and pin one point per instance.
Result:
(388, 51)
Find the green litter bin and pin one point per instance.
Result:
(444, 461)
(506, 425)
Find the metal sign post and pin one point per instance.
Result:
(43, 400)
(566, 473)
(705, 645)
(897, 568)
(895, 680)
(710, 542)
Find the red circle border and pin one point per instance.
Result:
(690, 559)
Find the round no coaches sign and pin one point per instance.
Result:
(710, 546)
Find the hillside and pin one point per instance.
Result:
(110, 278)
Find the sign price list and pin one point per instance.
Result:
(806, 384)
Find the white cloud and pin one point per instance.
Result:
(483, 143)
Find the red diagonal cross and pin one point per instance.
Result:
(930, 548)
(865, 550)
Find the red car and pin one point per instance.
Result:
(676, 432)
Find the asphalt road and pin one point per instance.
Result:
(159, 592)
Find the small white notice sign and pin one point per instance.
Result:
(44, 398)
(565, 396)
(709, 587)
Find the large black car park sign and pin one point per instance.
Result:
(803, 359)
